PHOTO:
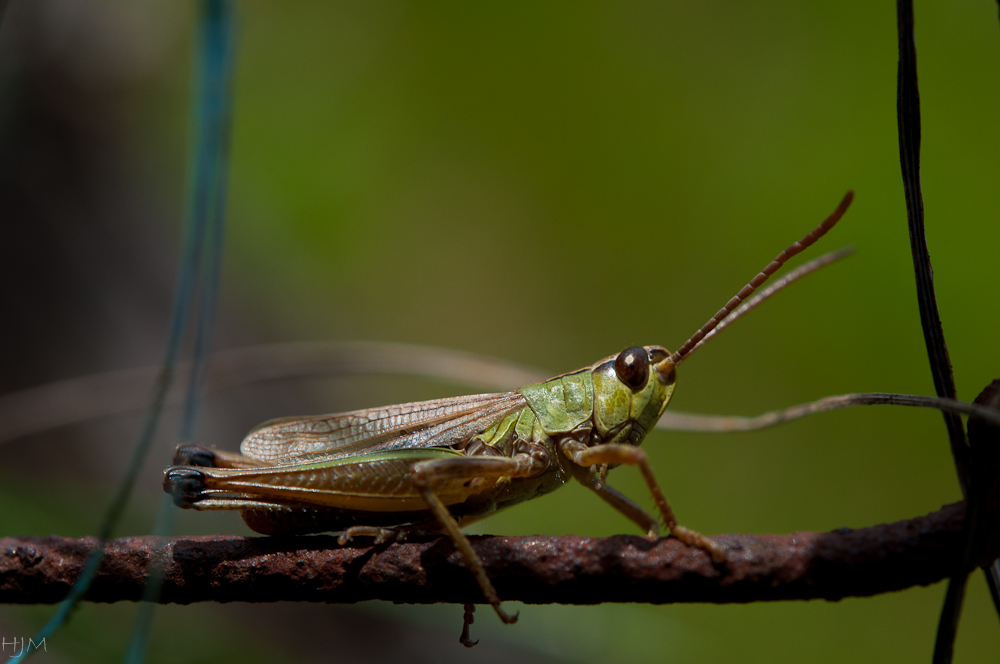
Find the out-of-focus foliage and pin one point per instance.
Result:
(551, 183)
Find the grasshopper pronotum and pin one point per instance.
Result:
(427, 467)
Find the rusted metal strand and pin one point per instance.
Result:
(984, 446)
(568, 570)
(982, 516)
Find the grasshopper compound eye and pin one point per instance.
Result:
(632, 367)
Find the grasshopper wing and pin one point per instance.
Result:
(421, 424)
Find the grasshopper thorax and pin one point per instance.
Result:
(618, 399)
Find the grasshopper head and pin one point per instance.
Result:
(631, 390)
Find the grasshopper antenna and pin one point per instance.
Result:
(760, 296)
(795, 248)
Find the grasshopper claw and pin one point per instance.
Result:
(506, 617)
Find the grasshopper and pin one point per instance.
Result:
(428, 467)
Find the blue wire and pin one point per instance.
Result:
(209, 201)
(201, 254)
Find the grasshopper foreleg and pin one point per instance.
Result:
(427, 474)
(618, 454)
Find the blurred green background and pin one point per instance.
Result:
(550, 183)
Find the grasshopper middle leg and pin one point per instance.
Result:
(426, 474)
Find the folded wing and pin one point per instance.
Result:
(421, 424)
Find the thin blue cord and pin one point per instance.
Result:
(211, 174)
(217, 20)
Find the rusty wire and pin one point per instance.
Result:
(537, 569)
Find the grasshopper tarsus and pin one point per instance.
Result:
(694, 539)
(380, 535)
(467, 619)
